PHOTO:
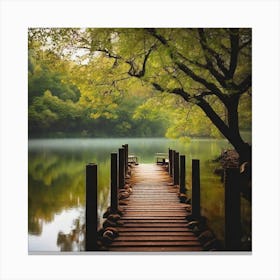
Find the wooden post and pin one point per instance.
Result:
(126, 159)
(176, 168)
(195, 188)
(114, 182)
(170, 161)
(125, 146)
(232, 209)
(121, 168)
(182, 174)
(91, 207)
(172, 164)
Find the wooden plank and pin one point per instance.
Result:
(154, 209)
(146, 207)
(162, 210)
(154, 190)
(153, 229)
(155, 225)
(157, 249)
(152, 215)
(148, 192)
(158, 213)
(161, 233)
(157, 238)
(147, 199)
(135, 218)
(173, 198)
(155, 204)
(154, 243)
(153, 221)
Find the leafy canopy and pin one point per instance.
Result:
(195, 81)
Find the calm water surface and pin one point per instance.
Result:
(56, 185)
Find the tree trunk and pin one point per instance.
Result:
(243, 148)
(230, 131)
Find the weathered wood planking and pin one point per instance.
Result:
(154, 219)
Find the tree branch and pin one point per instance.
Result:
(133, 72)
(234, 43)
(245, 84)
(203, 94)
(219, 61)
(108, 54)
(213, 116)
(174, 76)
(212, 87)
(183, 67)
(178, 91)
(209, 64)
(153, 32)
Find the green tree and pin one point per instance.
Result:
(209, 68)
(46, 71)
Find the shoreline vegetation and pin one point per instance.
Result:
(62, 135)
(141, 82)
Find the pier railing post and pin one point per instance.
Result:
(195, 188)
(182, 174)
(126, 159)
(114, 182)
(176, 168)
(170, 161)
(91, 207)
(121, 168)
(125, 146)
(232, 209)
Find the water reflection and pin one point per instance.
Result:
(56, 184)
(73, 241)
(56, 188)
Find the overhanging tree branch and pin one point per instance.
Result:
(209, 66)
(153, 32)
(210, 52)
(212, 87)
(174, 76)
(133, 69)
(245, 84)
(183, 67)
(108, 53)
(178, 91)
(213, 116)
(234, 50)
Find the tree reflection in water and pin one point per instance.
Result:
(73, 241)
(56, 190)
(56, 183)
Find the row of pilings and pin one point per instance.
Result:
(233, 229)
(96, 238)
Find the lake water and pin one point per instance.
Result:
(56, 185)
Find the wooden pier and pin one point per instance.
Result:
(154, 219)
(150, 210)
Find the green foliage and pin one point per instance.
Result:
(42, 78)
(98, 82)
(182, 120)
(245, 113)
(46, 110)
